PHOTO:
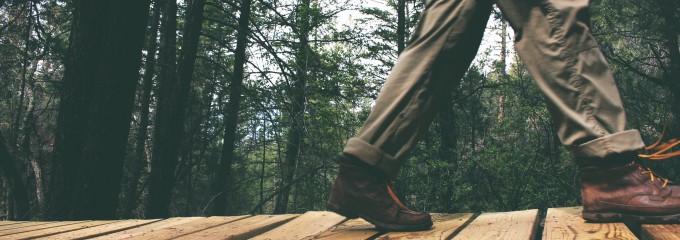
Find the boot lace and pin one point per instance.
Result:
(652, 176)
(394, 197)
(659, 151)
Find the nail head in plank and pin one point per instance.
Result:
(101, 229)
(187, 228)
(660, 232)
(38, 226)
(55, 230)
(444, 225)
(567, 223)
(242, 229)
(156, 226)
(357, 229)
(308, 225)
(502, 225)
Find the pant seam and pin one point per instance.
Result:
(424, 80)
(560, 33)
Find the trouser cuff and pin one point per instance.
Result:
(610, 145)
(373, 155)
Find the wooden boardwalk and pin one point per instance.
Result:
(559, 223)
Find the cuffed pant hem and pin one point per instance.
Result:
(373, 156)
(613, 144)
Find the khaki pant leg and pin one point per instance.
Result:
(554, 40)
(444, 44)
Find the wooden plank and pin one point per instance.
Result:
(352, 229)
(502, 225)
(242, 229)
(156, 226)
(308, 225)
(20, 225)
(38, 226)
(567, 223)
(55, 230)
(5, 223)
(187, 228)
(660, 232)
(90, 232)
(445, 225)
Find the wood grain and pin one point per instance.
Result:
(20, 225)
(37, 226)
(502, 225)
(660, 232)
(358, 229)
(156, 226)
(5, 223)
(100, 230)
(306, 226)
(444, 226)
(242, 229)
(187, 228)
(567, 223)
(55, 230)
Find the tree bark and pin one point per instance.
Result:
(25, 151)
(298, 97)
(172, 101)
(501, 70)
(670, 33)
(24, 76)
(140, 159)
(165, 149)
(401, 25)
(221, 184)
(264, 159)
(97, 95)
(448, 132)
(18, 193)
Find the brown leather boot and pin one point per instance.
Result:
(361, 190)
(620, 188)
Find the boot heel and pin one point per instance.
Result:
(602, 217)
(339, 210)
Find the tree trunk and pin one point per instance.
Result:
(140, 157)
(164, 153)
(172, 101)
(264, 159)
(670, 33)
(97, 95)
(29, 125)
(502, 75)
(448, 132)
(17, 193)
(221, 185)
(298, 97)
(401, 25)
(24, 76)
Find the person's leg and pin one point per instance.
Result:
(439, 53)
(554, 40)
(441, 49)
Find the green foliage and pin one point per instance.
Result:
(471, 159)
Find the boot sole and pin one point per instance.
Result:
(379, 225)
(605, 217)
